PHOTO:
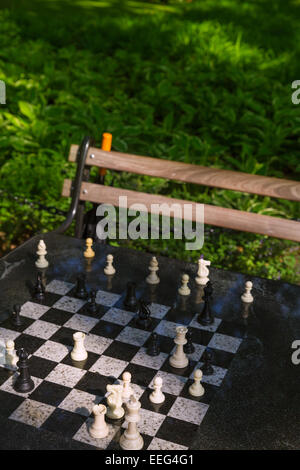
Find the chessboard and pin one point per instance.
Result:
(65, 391)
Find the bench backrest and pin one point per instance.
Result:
(188, 173)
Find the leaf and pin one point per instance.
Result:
(27, 109)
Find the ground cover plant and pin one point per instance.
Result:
(205, 82)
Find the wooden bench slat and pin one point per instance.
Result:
(213, 177)
(213, 215)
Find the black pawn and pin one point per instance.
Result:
(16, 319)
(39, 290)
(207, 358)
(92, 306)
(130, 301)
(189, 348)
(24, 382)
(143, 320)
(80, 291)
(153, 348)
(206, 316)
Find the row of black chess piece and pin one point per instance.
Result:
(131, 303)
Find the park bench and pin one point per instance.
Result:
(82, 190)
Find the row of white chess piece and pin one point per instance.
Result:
(201, 278)
(119, 395)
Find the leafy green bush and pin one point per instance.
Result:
(204, 83)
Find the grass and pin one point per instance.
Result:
(203, 82)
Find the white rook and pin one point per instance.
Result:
(99, 428)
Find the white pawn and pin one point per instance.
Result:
(79, 352)
(179, 358)
(99, 428)
(203, 272)
(153, 267)
(109, 269)
(11, 357)
(184, 289)
(127, 389)
(157, 396)
(41, 262)
(131, 439)
(89, 252)
(196, 389)
(247, 297)
(114, 401)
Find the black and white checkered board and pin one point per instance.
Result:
(65, 391)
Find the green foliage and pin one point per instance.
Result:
(200, 82)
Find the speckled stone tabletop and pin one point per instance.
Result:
(258, 404)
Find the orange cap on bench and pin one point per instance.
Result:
(106, 141)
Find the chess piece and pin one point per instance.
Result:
(92, 307)
(143, 320)
(99, 428)
(206, 316)
(16, 318)
(196, 389)
(153, 348)
(81, 292)
(89, 252)
(11, 357)
(109, 270)
(157, 396)
(189, 348)
(247, 297)
(131, 439)
(79, 352)
(114, 401)
(179, 359)
(184, 289)
(41, 262)
(203, 272)
(24, 382)
(39, 290)
(130, 301)
(207, 368)
(153, 268)
(127, 389)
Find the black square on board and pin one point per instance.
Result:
(176, 430)
(9, 403)
(107, 329)
(209, 392)
(162, 408)
(140, 375)
(84, 365)
(56, 316)
(123, 351)
(50, 393)
(183, 372)
(221, 358)
(232, 329)
(40, 367)
(64, 336)
(200, 336)
(5, 374)
(29, 343)
(94, 383)
(26, 322)
(166, 344)
(64, 422)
